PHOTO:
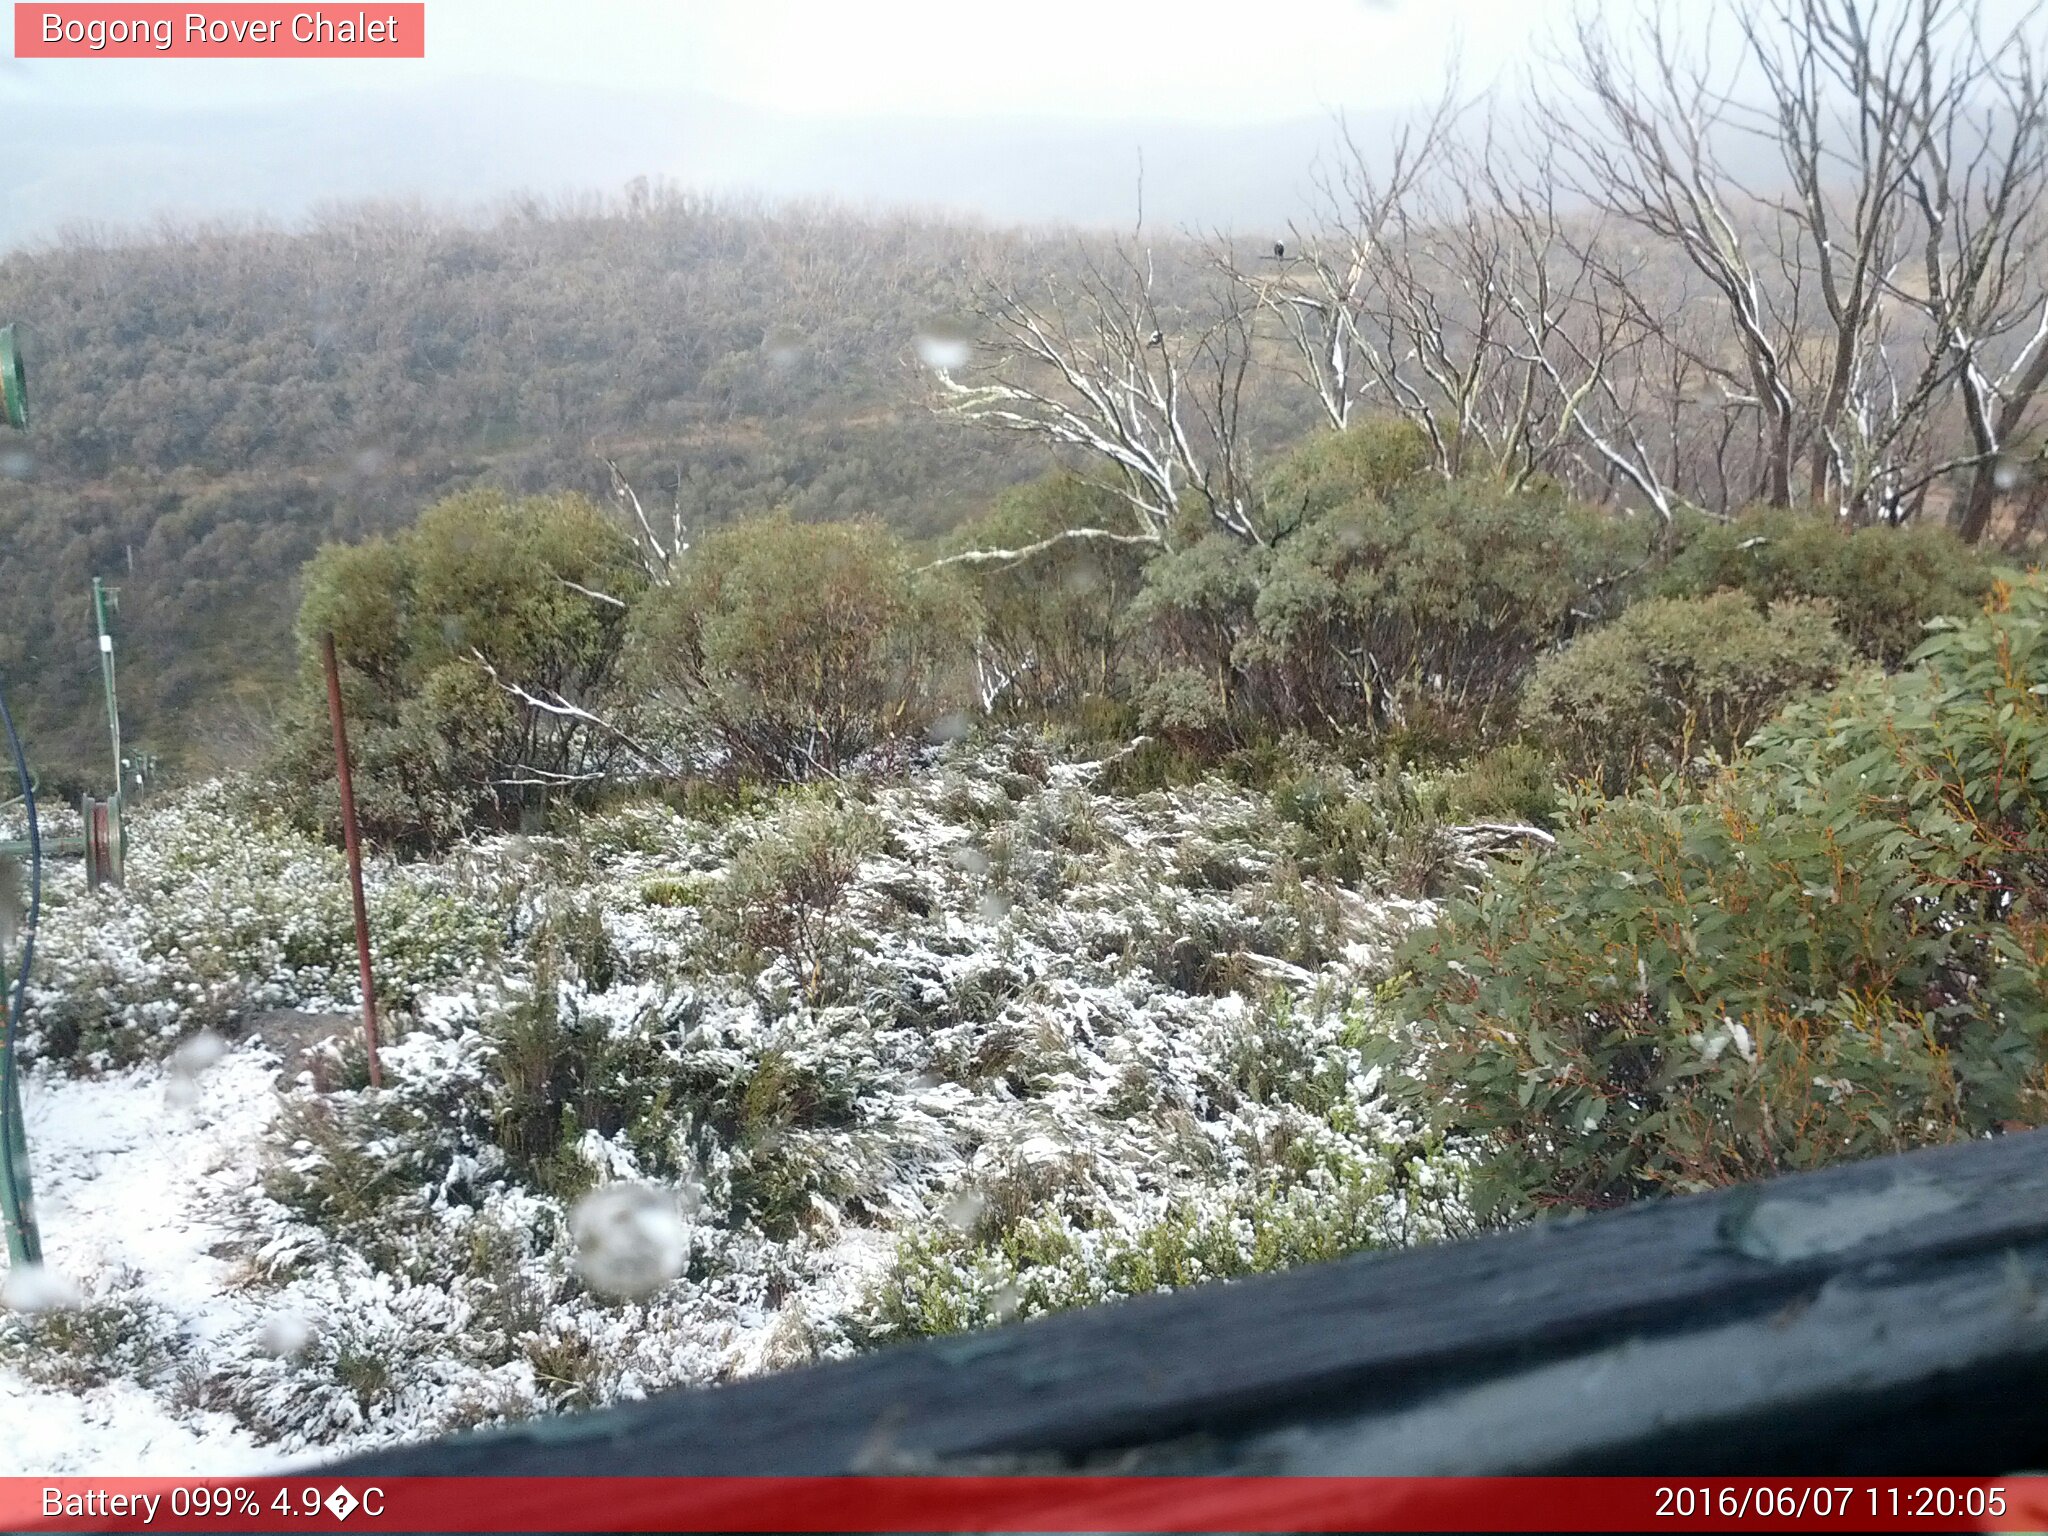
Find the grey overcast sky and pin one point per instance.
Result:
(1219, 61)
(1013, 110)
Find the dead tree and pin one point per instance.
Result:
(1324, 287)
(1148, 390)
(1975, 116)
(1877, 254)
(659, 548)
(1646, 145)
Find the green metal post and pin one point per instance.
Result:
(104, 602)
(18, 1198)
(13, 382)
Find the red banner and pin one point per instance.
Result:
(1024, 1504)
(103, 31)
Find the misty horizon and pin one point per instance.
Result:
(279, 164)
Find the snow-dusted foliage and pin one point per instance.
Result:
(856, 1061)
(226, 911)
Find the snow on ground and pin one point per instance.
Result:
(117, 1430)
(904, 1056)
(128, 1192)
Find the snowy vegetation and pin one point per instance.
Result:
(871, 895)
(906, 1055)
(775, 967)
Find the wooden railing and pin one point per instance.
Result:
(1889, 1317)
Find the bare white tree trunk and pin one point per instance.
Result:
(1151, 391)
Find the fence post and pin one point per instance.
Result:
(105, 601)
(17, 1194)
(352, 840)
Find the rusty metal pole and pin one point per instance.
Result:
(353, 842)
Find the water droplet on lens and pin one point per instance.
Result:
(944, 345)
(630, 1239)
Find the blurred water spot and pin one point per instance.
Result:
(784, 346)
(1005, 1301)
(964, 1210)
(944, 345)
(197, 1052)
(37, 1288)
(630, 1239)
(284, 1334)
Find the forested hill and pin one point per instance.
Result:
(210, 406)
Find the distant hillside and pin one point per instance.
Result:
(211, 406)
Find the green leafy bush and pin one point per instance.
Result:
(1370, 461)
(1377, 827)
(1835, 948)
(1049, 618)
(798, 646)
(1673, 677)
(943, 1283)
(1884, 584)
(533, 590)
(1514, 782)
(1420, 606)
(1435, 600)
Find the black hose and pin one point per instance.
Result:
(10, 1098)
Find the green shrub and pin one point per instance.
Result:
(1370, 461)
(1049, 620)
(1673, 677)
(798, 646)
(1515, 782)
(553, 1073)
(439, 745)
(1835, 948)
(1883, 583)
(78, 1348)
(360, 1168)
(1422, 605)
(1378, 828)
(785, 893)
(945, 1281)
(1435, 599)
(1183, 629)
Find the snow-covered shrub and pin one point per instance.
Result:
(104, 1338)
(946, 1283)
(996, 1062)
(782, 899)
(1314, 1165)
(226, 911)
